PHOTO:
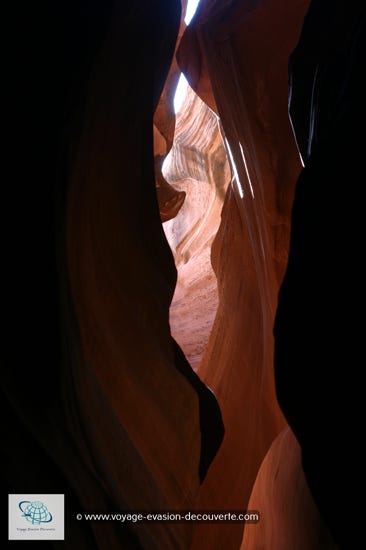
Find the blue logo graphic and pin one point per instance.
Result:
(35, 512)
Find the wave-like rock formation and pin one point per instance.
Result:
(99, 399)
(170, 200)
(110, 410)
(198, 165)
(250, 250)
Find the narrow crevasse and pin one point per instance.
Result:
(99, 400)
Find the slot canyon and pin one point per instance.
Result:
(184, 285)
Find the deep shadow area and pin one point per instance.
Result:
(318, 339)
(52, 55)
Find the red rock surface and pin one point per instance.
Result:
(170, 201)
(289, 518)
(236, 56)
(117, 255)
(125, 423)
(121, 421)
(198, 165)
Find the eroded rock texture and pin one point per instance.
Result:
(198, 165)
(170, 200)
(243, 68)
(99, 401)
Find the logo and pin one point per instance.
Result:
(37, 517)
(35, 512)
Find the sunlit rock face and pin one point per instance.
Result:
(198, 165)
(170, 200)
(237, 55)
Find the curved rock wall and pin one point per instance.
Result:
(289, 518)
(99, 400)
(244, 65)
(198, 165)
(106, 405)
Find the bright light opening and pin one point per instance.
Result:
(246, 169)
(236, 175)
(180, 93)
(181, 90)
(191, 10)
